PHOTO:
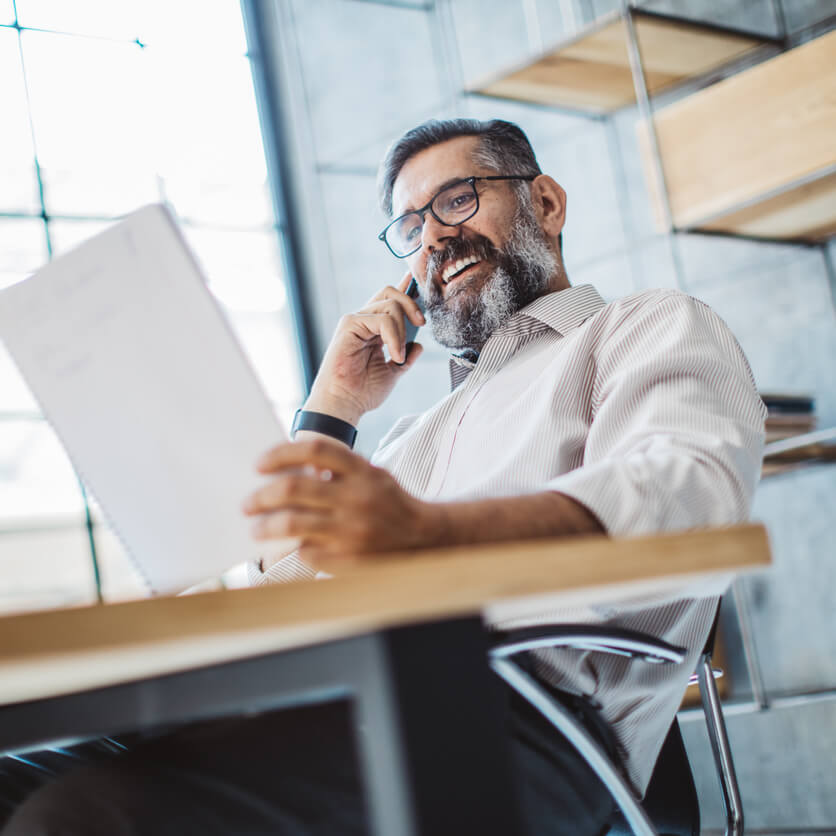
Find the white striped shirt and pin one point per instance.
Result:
(643, 410)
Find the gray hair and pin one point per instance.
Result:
(503, 148)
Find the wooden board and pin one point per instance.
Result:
(593, 72)
(805, 213)
(733, 152)
(63, 651)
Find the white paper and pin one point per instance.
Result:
(139, 373)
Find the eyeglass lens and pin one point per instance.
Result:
(451, 206)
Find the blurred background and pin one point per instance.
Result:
(261, 124)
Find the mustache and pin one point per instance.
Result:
(457, 248)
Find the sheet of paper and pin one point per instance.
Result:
(139, 373)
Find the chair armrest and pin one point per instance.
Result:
(613, 640)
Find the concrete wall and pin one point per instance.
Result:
(369, 70)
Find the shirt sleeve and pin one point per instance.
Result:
(677, 429)
(287, 570)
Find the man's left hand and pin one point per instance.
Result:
(337, 505)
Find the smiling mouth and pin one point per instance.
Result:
(453, 271)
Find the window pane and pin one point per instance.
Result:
(68, 234)
(19, 191)
(36, 479)
(46, 568)
(243, 270)
(208, 149)
(242, 267)
(22, 251)
(202, 199)
(102, 18)
(91, 124)
(22, 248)
(268, 341)
(119, 124)
(7, 11)
(188, 24)
(15, 396)
(194, 26)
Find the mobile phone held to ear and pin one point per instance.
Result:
(411, 329)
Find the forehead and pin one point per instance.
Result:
(423, 174)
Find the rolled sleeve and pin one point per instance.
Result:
(677, 432)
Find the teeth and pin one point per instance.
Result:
(452, 269)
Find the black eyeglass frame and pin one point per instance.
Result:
(429, 206)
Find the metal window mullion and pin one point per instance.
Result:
(94, 558)
(272, 118)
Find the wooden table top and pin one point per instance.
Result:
(63, 651)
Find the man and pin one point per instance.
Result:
(566, 416)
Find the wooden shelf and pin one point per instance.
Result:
(799, 451)
(755, 154)
(592, 71)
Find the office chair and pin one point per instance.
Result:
(670, 806)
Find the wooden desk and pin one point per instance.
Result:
(401, 637)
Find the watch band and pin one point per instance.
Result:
(318, 422)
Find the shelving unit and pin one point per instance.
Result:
(592, 71)
(629, 57)
(799, 451)
(755, 154)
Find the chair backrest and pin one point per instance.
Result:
(671, 800)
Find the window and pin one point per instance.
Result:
(106, 107)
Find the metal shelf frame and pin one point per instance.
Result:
(770, 45)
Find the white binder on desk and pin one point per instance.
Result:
(139, 373)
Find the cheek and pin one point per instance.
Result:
(418, 267)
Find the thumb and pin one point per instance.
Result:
(413, 352)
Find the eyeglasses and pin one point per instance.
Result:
(451, 206)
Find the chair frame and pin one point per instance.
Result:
(638, 646)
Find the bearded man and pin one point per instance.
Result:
(566, 416)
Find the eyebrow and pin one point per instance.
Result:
(438, 189)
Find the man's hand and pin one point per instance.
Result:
(355, 377)
(337, 504)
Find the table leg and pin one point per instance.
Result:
(440, 710)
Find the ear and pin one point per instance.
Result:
(549, 201)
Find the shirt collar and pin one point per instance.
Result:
(562, 311)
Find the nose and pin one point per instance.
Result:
(435, 234)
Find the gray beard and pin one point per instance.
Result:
(525, 268)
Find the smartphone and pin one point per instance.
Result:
(411, 329)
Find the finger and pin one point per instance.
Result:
(388, 323)
(372, 323)
(384, 293)
(323, 455)
(409, 306)
(293, 490)
(403, 284)
(302, 524)
(413, 352)
(393, 332)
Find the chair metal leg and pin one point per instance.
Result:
(720, 747)
(585, 745)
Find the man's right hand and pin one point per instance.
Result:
(355, 376)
